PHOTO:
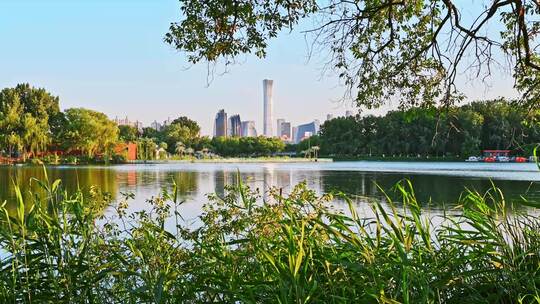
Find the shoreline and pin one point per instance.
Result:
(258, 160)
(235, 160)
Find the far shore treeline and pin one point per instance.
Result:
(458, 131)
(32, 127)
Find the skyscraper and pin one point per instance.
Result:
(329, 116)
(248, 129)
(306, 130)
(267, 98)
(285, 131)
(235, 126)
(278, 130)
(156, 126)
(348, 113)
(220, 124)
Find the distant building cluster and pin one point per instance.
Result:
(126, 122)
(234, 126)
(158, 126)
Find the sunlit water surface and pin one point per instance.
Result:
(437, 184)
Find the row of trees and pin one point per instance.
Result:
(455, 131)
(247, 146)
(31, 123)
(182, 137)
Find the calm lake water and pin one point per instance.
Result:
(441, 182)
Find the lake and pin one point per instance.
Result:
(440, 182)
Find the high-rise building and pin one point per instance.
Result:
(248, 129)
(348, 113)
(285, 131)
(306, 130)
(294, 134)
(235, 126)
(167, 122)
(329, 116)
(156, 125)
(267, 103)
(220, 124)
(278, 129)
(126, 122)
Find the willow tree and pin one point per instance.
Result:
(89, 131)
(407, 50)
(25, 116)
(35, 135)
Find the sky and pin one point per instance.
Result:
(109, 55)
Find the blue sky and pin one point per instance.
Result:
(109, 55)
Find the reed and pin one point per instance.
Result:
(294, 248)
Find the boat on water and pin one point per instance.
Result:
(503, 159)
(499, 156)
(473, 159)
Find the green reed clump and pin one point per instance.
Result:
(291, 248)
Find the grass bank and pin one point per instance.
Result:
(292, 249)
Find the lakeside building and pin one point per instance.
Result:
(268, 86)
(248, 129)
(235, 126)
(220, 124)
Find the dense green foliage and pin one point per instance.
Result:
(411, 51)
(182, 137)
(27, 118)
(182, 130)
(88, 131)
(128, 133)
(31, 123)
(247, 146)
(61, 248)
(459, 131)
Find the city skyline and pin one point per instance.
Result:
(121, 67)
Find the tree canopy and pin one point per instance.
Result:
(381, 49)
(89, 131)
(182, 130)
(128, 133)
(26, 114)
(247, 146)
(460, 131)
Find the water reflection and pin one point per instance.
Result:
(194, 181)
(437, 189)
(74, 178)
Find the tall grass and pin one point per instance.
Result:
(294, 248)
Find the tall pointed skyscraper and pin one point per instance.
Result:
(267, 95)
